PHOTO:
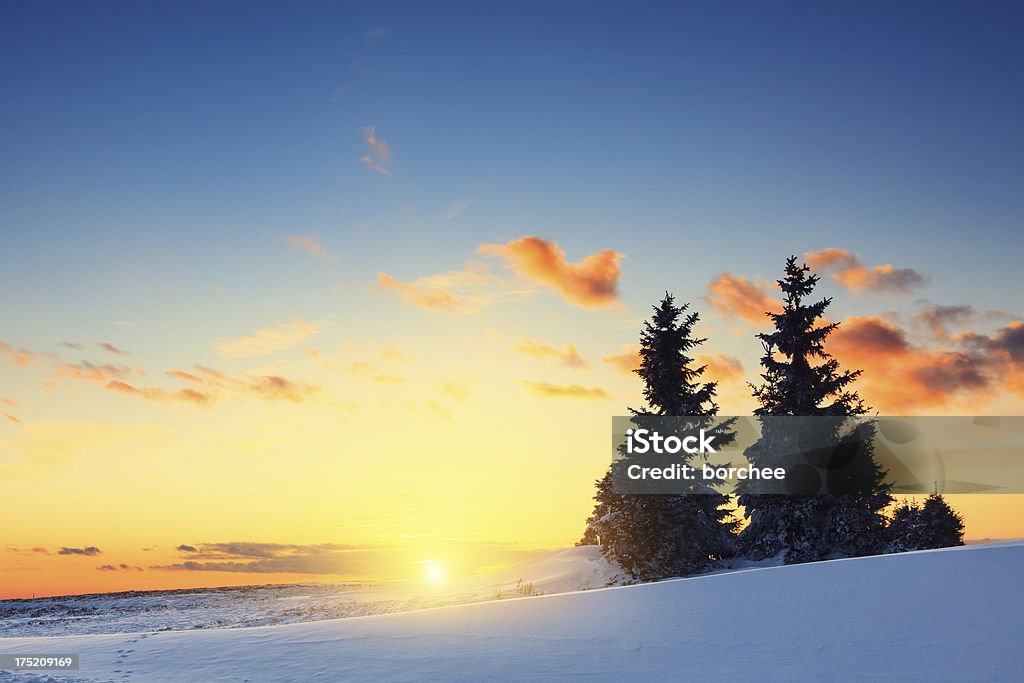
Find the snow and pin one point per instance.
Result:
(565, 570)
(952, 614)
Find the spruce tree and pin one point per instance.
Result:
(932, 525)
(655, 536)
(800, 378)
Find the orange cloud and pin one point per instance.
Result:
(568, 355)
(735, 295)
(900, 376)
(181, 374)
(266, 387)
(831, 259)
(628, 360)
(11, 418)
(591, 283)
(378, 158)
(159, 394)
(720, 367)
(856, 276)
(84, 370)
(547, 390)
(19, 356)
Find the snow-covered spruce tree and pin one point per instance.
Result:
(800, 378)
(933, 525)
(654, 536)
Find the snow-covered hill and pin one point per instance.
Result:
(952, 614)
(561, 571)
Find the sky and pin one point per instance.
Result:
(319, 291)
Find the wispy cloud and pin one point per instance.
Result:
(568, 355)
(84, 370)
(118, 568)
(462, 292)
(271, 558)
(378, 157)
(159, 393)
(426, 297)
(849, 270)
(266, 387)
(309, 243)
(457, 391)
(548, 390)
(270, 339)
(591, 283)
(20, 356)
(456, 209)
(110, 348)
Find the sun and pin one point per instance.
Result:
(434, 571)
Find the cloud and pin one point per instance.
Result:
(1008, 340)
(378, 158)
(736, 296)
(89, 551)
(568, 355)
(900, 376)
(84, 370)
(457, 391)
(591, 283)
(388, 379)
(36, 550)
(309, 243)
(267, 387)
(462, 292)
(547, 390)
(426, 297)
(19, 356)
(719, 367)
(12, 418)
(456, 209)
(110, 348)
(270, 340)
(187, 376)
(270, 558)
(627, 360)
(159, 394)
(121, 567)
(851, 272)
(941, 321)
(187, 548)
(429, 407)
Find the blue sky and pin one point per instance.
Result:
(154, 151)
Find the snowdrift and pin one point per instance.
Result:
(951, 614)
